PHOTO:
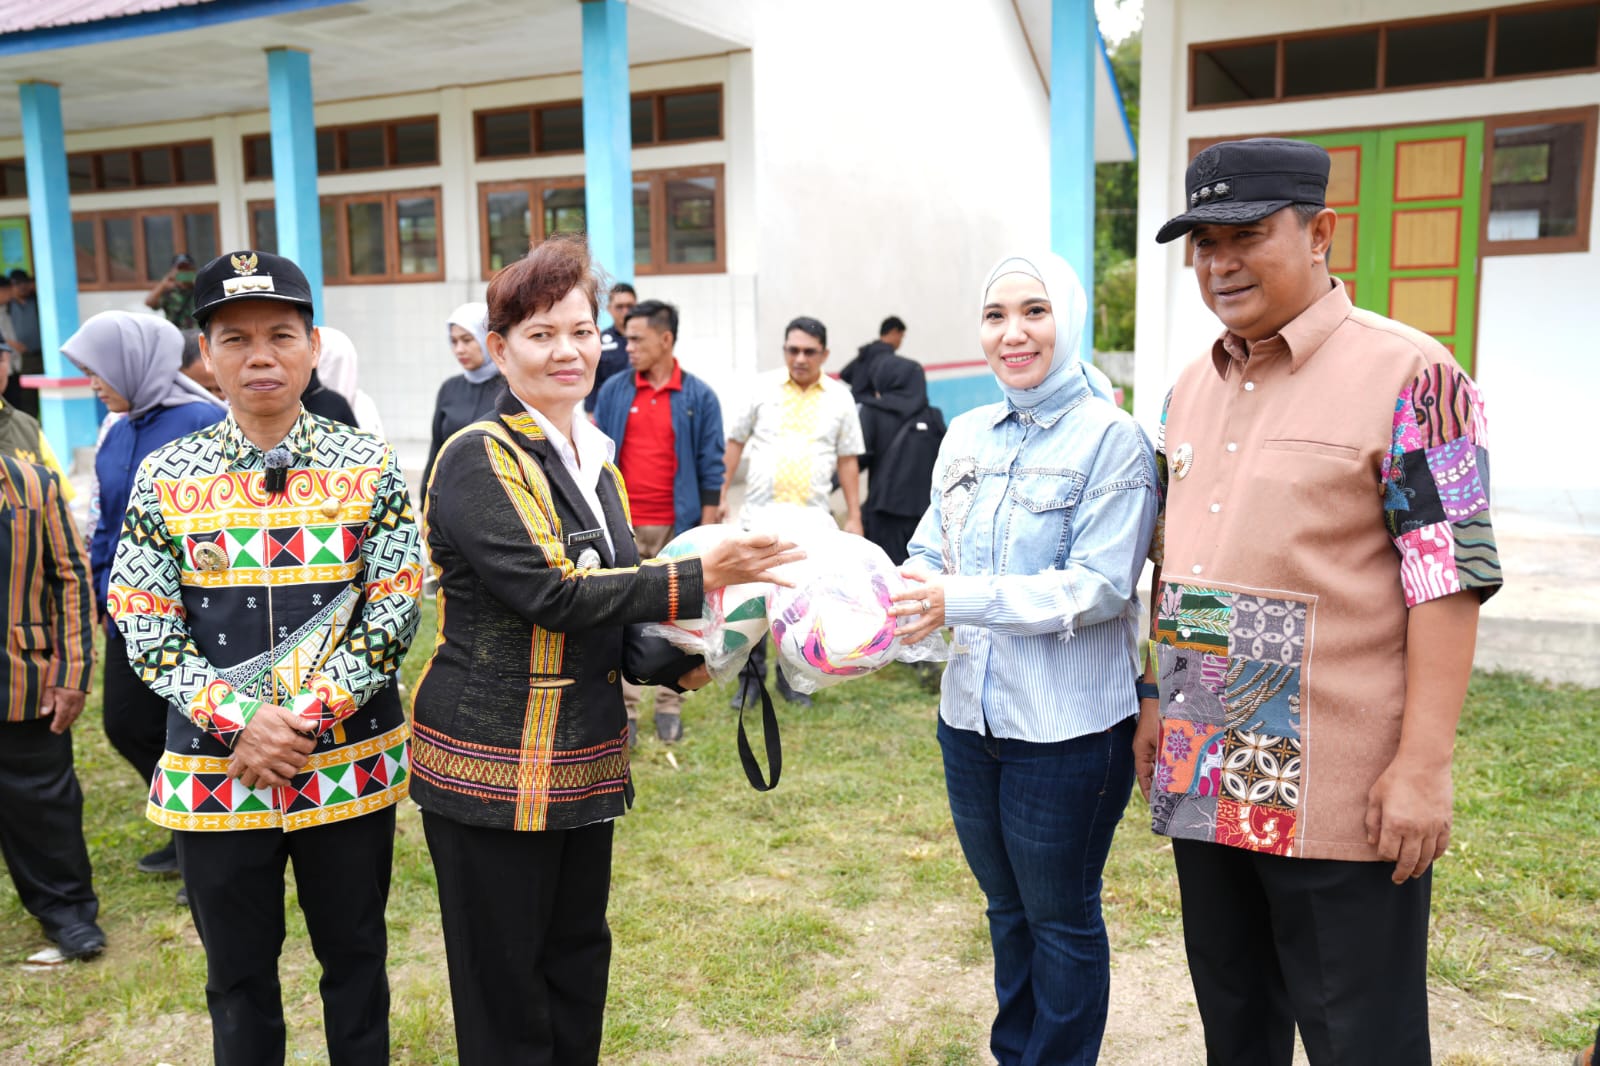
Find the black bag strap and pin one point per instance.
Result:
(748, 678)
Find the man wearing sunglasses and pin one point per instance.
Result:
(800, 428)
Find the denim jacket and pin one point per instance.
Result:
(1041, 519)
(696, 430)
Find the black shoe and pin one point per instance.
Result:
(161, 861)
(81, 941)
(669, 727)
(799, 699)
(183, 895)
(633, 732)
(745, 696)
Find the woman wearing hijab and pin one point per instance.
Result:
(472, 393)
(1041, 513)
(520, 752)
(134, 365)
(336, 366)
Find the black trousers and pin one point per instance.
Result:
(341, 873)
(136, 718)
(891, 532)
(526, 939)
(41, 825)
(1332, 946)
(758, 667)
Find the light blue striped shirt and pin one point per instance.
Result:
(1041, 519)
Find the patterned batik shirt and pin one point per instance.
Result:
(1317, 486)
(229, 598)
(794, 439)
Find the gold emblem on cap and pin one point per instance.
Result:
(331, 506)
(251, 283)
(210, 557)
(243, 264)
(1183, 460)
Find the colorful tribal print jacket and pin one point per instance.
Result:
(519, 718)
(229, 598)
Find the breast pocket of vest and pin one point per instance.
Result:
(1039, 524)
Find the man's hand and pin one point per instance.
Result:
(1408, 815)
(1145, 738)
(697, 678)
(272, 748)
(852, 524)
(62, 706)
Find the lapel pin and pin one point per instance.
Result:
(1183, 460)
(210, 557)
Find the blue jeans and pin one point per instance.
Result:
(1035, 822)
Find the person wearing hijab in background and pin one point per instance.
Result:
(902, 434)
(1040, 516)
(337, 369)
(471, 394)
(134, 365)
(320, 400)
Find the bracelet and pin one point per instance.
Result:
(1147, 690)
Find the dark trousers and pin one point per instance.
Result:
(1332, 946)
(136, 718)
(757, 667)
(41, 825)
(526, 939)
(341, 874)
(1035, 823)
(891, 532)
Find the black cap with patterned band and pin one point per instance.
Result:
(248, 275)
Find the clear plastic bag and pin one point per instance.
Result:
(835, 624)
(732, 620)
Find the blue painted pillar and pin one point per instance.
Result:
(607, 137)
(69, 421)
(1074, 48)
(294, 164)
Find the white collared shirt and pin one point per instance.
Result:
(593, 451)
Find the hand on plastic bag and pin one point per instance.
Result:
(732, 618)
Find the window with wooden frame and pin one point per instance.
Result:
(1528, 40)
(401, 142)
(1538, 180)
(368, 238)
(13, 179)
(678, 219)
(668, 116)
(135, 249)
(142, 167)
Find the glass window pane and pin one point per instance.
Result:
(264, 233)
(416, 143)
(368, 241)
(116, 170)
(561, 129)
(159, 245)
(258, 157)
(331, 266)
(83, 242)
(200, 236)
(121, 265)
(641, 223)
(563, 211)
(195, 165)
(13, 178)
(1531, 42)
(692, 220)
(363, 148)
(1534, 174)
(1316, 65)
(327, 156)
(80, 172)
(510, 226)
(507, 133)
(1435, 52)
(155, 166)
(418, 218)
(1247, 72)
(643, 118)
(691, 116)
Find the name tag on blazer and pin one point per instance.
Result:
(584, 536)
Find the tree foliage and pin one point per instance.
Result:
(1117, 216)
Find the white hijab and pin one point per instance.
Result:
(1070, 308)
(337, 369)
(474, 318)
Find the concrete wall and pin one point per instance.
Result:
(1537, 316)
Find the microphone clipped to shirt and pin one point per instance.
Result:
(278, 461)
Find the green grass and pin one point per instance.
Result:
(832, 920)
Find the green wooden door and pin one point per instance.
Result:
(1407, 244)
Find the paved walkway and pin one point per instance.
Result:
(1546, 620)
